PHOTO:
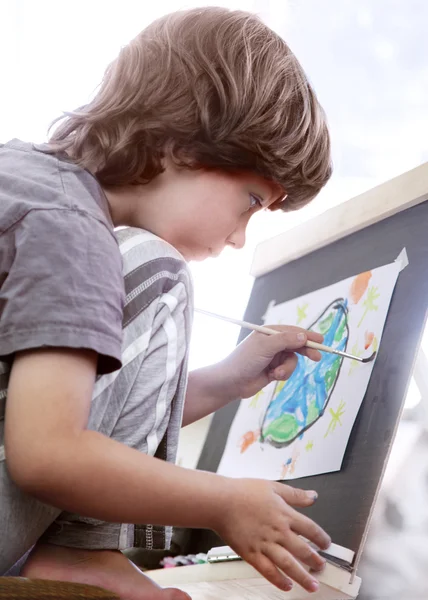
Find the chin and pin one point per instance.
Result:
(214, 253)
(204, 255)
(201, 257)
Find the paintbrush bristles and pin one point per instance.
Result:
(369, 358)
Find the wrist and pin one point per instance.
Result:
(224, 499)
(229, 381)
(219, 382)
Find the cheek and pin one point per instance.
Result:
(218, 220)
(223, 225)
(216, 210)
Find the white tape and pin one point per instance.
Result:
(402, 259)
(268, 309)
(336, 551)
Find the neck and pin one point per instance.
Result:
(123, 203)
(139, 206)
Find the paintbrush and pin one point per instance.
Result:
(268, 331)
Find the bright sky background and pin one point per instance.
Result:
(367, 61)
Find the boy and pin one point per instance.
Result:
(204, 119)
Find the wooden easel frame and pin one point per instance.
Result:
(381, 202)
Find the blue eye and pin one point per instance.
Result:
(255, 201)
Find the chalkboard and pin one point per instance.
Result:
(346, 497)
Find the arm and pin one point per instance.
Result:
(257, 361)
(205, 393)
(52, 456)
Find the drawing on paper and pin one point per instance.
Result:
(355, 350)
(290, 464)
(335, 417)
(359, 286)
(256, 398)
(298, 403)
(247, 439)
(368, 339)
(301, 313)
(301, 427)
(369, 302)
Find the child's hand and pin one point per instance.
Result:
(261, 358)
(260, 525)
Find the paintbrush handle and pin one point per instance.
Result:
(261, 329)
(316, 346)
(245, 324)
(269, 331)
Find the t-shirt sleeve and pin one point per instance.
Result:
(64, 287)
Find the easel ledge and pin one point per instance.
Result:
(378, 203)
(239, 581)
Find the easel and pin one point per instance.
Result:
(399, 521)
(365, 232)
(239, 581)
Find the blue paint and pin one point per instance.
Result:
(305, 395)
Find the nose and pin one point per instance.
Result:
(237, 238)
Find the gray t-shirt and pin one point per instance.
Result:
(61, 282)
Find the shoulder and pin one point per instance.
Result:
(32, 179)
(154, 272)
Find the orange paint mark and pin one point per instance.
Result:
(290, 464)
(284, 471)
(368, 339)
(359, 286)
(248, 439)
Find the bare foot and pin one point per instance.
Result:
(108, 569)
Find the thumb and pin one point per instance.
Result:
(296, 496)
(286, 340)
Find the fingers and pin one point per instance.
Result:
(292, 338)
(291, 567)
(304, 526)
(284, 363)
(315, 337)
(311, 335)
(301, 524)
(287, 339)
(285, 369)
(296, 496)
(311, 353)
(268, 569)
(301, 550)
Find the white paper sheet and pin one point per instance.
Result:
(301, 427)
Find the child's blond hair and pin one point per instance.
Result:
(213, 88)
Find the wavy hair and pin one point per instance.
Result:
(212, 88)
